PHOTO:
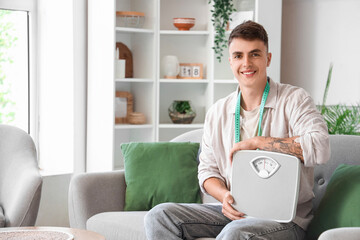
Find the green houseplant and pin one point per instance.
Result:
(181, 111)
(222, 9)
(340, 119)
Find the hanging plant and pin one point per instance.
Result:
(222, 9)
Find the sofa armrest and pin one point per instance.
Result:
(345, 233)
(93, 193)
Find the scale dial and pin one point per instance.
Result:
(264, 167)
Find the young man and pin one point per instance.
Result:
(289, 123)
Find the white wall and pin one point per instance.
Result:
(56, 85)
(315, 33)
(53, 210)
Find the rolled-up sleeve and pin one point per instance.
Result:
(309, 124)
(208, 166)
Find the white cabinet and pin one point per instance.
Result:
(152, 93)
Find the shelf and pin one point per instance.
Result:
(133, 126)
(170, 125)
(184, 33)
(130, 80)
(164, 80)
(133, 30)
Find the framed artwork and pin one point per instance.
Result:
(191, 71)
(123, 107)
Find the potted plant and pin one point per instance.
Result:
(340, 119)
(222, 9)
(181, 111)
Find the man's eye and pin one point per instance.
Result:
(256, 55)
(237, 56)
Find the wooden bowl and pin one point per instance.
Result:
(184, 24)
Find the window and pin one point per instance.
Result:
(53, 93)
(14, 68)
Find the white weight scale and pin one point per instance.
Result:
(265, 184)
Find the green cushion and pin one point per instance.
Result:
(340, 206)
(160, 172)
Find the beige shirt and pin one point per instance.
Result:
(289, 111)
(249, 121)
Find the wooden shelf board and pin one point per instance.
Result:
(145, 80)
(133, 126)
(134, 30)
(178, 80)
(172, 125)
(184, 33)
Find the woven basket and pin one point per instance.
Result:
(136, 118)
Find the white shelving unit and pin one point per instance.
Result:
(152, 93)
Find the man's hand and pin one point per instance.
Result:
(216, 188)
(281, 145)
(248, 144)
(228, 210)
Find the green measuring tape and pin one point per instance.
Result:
(237, 112)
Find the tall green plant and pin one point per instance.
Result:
(323, 107)
(7, 40)
(222, 9)
(340, 119)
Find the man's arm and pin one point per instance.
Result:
(281, 145)
(217, 188)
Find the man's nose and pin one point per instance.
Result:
(246, 61)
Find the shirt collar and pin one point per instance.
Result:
(270, 101)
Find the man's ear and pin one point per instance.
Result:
(269, 55)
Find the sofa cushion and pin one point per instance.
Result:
(2, 218)
(340, 205)
(118, 225)
(121, 225)
(160, 172)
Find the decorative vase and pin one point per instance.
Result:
(181, 111)
(170, 66)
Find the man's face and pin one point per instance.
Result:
(248, 61)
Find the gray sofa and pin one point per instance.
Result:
(96, 200)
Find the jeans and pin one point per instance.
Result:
(190, 221)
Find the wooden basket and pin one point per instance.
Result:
(136, 118)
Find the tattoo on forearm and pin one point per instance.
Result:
(284, 145)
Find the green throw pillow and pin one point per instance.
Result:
(160, 172)
(340, 206)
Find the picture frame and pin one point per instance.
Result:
(129, 106)
(191, 71)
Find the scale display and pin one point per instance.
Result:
(264, 167)
(259, 176)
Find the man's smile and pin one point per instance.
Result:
(248, 73)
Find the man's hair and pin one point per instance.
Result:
(249, 30)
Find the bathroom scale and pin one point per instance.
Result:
(265, 184)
